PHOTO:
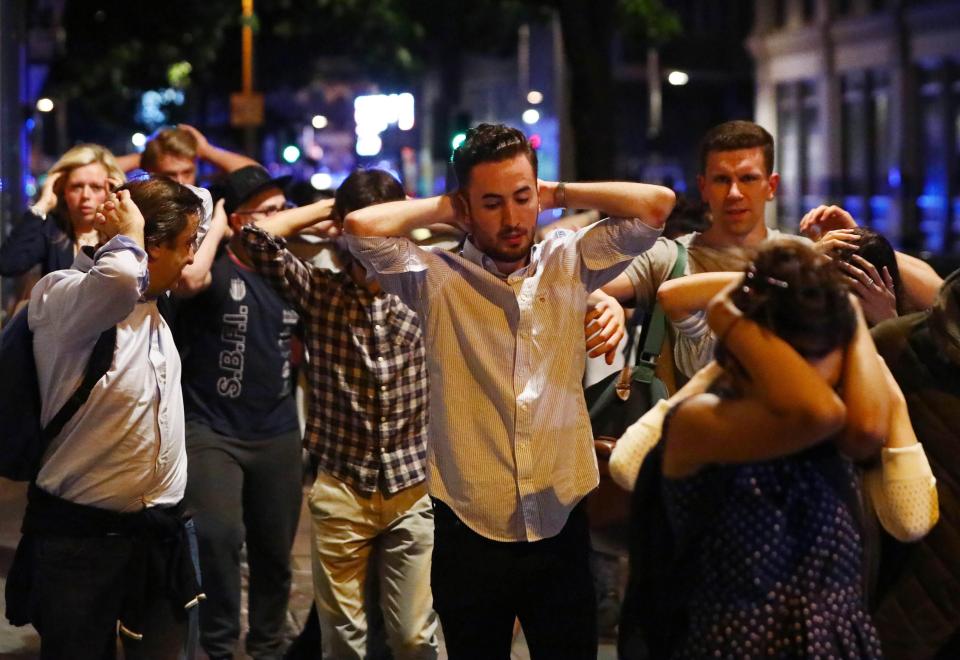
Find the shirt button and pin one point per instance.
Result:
(377, 326)
(383, 388)
(380, 359)
(383, 418)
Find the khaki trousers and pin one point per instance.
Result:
(347, 526)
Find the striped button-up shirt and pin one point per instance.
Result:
(367, 412)
(510, 451)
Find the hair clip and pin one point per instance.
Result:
(751, 276)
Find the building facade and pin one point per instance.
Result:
(863, 98)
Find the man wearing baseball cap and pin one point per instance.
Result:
(242, 433)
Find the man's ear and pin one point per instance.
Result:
(235, 221)
(462, 200)
(153, 251)
(774, 182)
(701, 184)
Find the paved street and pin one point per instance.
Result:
(23, 642)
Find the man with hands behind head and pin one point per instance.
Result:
(103, 523)
(510, 451)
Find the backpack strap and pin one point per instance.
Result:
(97, 366)
(655, 329)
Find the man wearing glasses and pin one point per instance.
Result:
(242, 433)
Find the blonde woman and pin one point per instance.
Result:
(61, 221)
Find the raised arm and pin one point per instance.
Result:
(684, 296)
(787, 407)
(196, 277)
(643, 435)
(128, 162)
(228, 161)
(865, 394)
(317, 216)
(921, 284)
(625, 199)
(395, 219)
(901, 486)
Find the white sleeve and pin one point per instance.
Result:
(903, 491)
(635, 443)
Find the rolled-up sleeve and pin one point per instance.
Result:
(607, 247)
(903, 491)
(400, 265)
(387, 256)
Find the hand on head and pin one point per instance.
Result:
(875, 289)
(823, 219)
(119, 215)
(47, 201)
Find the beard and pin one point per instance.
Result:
(509, 254)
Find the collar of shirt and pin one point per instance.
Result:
(473, 254)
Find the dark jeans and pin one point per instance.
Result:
(244, 491)
(79, 588)
(480, 586)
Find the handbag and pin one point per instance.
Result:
(619, 400)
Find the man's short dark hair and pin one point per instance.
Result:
(168, 142)
(490, 143)
(738, 134)
(365, 188)
(166, 205)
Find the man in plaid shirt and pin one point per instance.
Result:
(366, 425)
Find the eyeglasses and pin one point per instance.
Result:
(269, 210)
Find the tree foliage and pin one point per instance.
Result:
(115, 49)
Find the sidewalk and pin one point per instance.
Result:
(24, 643)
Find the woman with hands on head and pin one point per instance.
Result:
(758, 494)
(61, 220)
(907, 494)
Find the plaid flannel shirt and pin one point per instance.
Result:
(368, 400)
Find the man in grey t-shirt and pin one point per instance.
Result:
(736, 181)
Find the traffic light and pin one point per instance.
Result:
(458, 129)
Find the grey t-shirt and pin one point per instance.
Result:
(693, 349)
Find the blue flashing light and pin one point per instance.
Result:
(893, 177)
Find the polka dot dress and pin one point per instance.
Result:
(777, 556)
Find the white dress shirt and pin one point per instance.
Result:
(510, 447)
(124, 448)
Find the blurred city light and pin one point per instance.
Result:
(678, 78)
(321, 181)
(138, 140)
(291, 153)
(44, 104)
(319, 121)
(534, 97)
(530, 116)
(369, 144)
(457, 140)
(374, 113)
(150, 112)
